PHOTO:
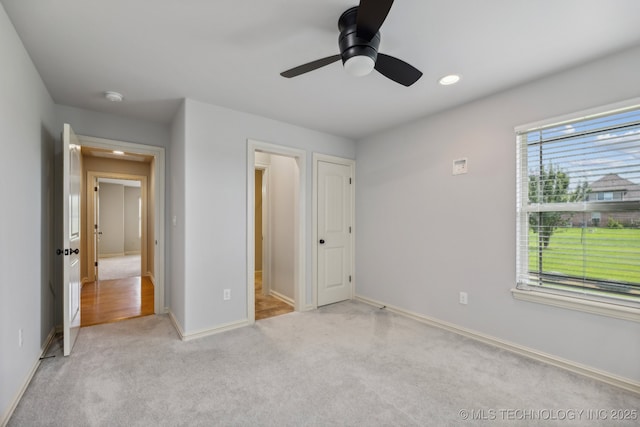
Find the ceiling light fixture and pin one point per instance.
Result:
(119, 153)
(113, 96)
(449, 80)
(359, 65)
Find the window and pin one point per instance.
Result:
(578, 207)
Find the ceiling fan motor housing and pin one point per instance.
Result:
(350, 44)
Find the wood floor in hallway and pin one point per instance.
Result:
(268, 306)
(108, 301)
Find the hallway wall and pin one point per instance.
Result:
(28, 135)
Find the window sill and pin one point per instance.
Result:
(572, 303)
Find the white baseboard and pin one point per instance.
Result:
(283, 298)
(14, 403)
(588, 371)
(126, 253)
(205, 332)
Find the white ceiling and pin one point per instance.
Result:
(230, 53)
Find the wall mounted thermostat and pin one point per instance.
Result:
(460, 166)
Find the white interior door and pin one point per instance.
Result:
(71, 186)
(334, 233)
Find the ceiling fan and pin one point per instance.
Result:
(358, 42)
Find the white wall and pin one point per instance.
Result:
(282, 202)
(215, 211)
(26, 189)
(424, 235)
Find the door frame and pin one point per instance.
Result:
(300, 223)
(316, 158)
(158, 179)
(266, 226)
(92, 177)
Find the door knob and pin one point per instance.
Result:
(322, 241)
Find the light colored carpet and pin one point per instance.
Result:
(119, 267)
(347, 364)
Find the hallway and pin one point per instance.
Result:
(108, 301)
(268, 306)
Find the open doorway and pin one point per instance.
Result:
(273, 292)
(118, 256)
(275, 180)
(119, 214)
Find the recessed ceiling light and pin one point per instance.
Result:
(449, 80)
(119, 153)
(113, 96)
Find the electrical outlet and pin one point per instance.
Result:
(227, 294)
(20, 340)
(464, 298)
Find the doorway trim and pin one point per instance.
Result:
(317, 158)
(157, 182)
(300, 222)
(266, 226)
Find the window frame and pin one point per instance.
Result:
(595, 302)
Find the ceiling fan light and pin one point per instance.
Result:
(359, 65)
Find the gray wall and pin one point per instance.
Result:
(424, 235)
(111, 220)
(118, 220)
(110, 126)
(131, 220)
(283, 173)
(27, 135)
(175, 290)
(211, 224)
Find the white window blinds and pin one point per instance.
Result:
(578, 207)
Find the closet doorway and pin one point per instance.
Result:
(270, 301)
(282, 197)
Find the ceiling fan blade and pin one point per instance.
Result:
(397, 70)
(310, 66)
(371, 15)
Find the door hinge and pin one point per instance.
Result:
(95, 188)
(349, 278)
(95, 226)
(349, 180)
(349, 229)
(95, 263)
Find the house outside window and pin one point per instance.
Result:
(578, 208)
